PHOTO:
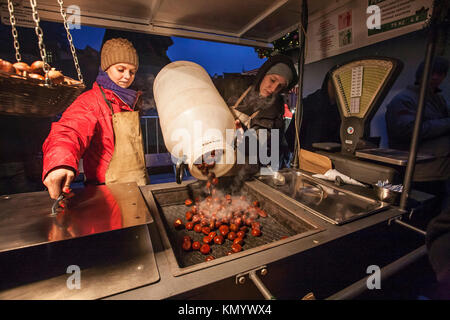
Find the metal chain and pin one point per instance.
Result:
(40, 35)
(15, 35)
(69, 37)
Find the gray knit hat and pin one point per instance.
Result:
(118, 50)
(283, 70)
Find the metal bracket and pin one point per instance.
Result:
(398, 220)
(253, 275)
(393, 219)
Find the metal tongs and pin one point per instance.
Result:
(60, 200)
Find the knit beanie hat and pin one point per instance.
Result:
(118, 50)
(282, 70)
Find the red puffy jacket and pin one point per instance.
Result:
(84, 131)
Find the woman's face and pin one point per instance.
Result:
(272, 84)
(122, 74)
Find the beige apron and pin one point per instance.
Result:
(243, 169)
(242, 117)
(128, 160)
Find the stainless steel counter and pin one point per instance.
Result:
(205, 283)
(137, 262)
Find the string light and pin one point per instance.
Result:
(288, 42)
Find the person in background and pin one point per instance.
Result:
(285, 154)
(430, 176)
(261, 106)
(320, 121)
(101, 127)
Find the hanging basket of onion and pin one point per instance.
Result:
(25, 91)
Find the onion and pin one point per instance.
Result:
(6, 67)
(21, 68)
(55, 76)
(69, 81)
(37, 67)
(36, 76)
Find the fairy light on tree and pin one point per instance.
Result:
(286, 43)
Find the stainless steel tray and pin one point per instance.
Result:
(26, 220)
(327, 201)
(281, 226)
(103, 231)
(391, 156)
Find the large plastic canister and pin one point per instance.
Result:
(196, 123)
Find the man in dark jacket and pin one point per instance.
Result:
(261, 105)
(320, 121)
(430, 176)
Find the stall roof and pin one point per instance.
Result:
(248, 22)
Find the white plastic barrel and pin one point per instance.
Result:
(194, 118)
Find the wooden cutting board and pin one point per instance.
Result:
(314, 162)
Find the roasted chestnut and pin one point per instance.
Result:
(231, 236)
(240, 234)
(218, 239)
(188, 215)
(196, 245)
(207, 239)
(234, 227)
(186, 245)
(206, 230)
(236, 247)
(212, 234)
(205, 249)
(244, 229)
(195, 219)
(262, 213)
(178, 224)
(256, 232)
(223, 229)
(189, 225)
(238, 241)
(198, 228)
(209, 258)
(256, 225)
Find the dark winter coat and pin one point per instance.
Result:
(435, 131)
(320, 121)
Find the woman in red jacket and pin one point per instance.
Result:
(101, 127)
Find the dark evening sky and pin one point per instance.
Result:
(215, 57)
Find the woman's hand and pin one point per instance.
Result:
(58, 180)
(239, 132)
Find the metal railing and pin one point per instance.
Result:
(151, 131)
